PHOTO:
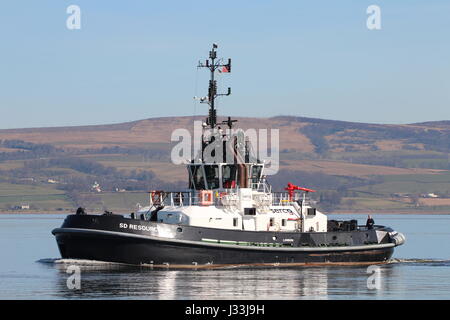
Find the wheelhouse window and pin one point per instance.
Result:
(196, 180)
(212, 176)
(256, 174)
(202, 177)
(229, 175)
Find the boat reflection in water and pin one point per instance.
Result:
(120, 281)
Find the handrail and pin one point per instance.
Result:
(190, 198)
(261, 186)
(180, 198)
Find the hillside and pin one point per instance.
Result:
(357, 166)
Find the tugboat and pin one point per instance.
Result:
(228, 216)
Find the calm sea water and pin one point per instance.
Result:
(30, 268)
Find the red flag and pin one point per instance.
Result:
(224, 69)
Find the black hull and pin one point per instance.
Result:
(159, 253)
(96, 238)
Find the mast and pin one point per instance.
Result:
(212, 64)
(234, 150)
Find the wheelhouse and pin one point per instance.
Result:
(217, 176)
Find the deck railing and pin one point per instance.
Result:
(261, 186)
(183, 198)
(283, 198)
(227, 197)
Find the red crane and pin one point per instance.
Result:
(291, 188)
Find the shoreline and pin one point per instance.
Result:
(382, 212)
(336, 212)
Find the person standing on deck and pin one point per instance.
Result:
(370, 222)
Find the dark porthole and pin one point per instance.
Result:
(179, 229)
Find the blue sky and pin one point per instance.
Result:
(137, 59)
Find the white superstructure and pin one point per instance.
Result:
(255, 209)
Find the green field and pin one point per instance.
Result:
(374, 204)
(38, 197)
(42, 198)
(123, 201)
(411, 184)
